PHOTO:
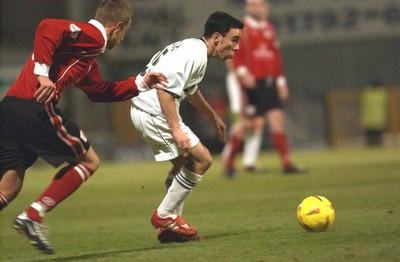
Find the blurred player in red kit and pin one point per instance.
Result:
(257, 74)
(64, 55)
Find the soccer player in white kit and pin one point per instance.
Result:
(155, 115)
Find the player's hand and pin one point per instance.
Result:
(155, 80)
(182, 140)
(46, 91)
(220, 127)
(248, 81)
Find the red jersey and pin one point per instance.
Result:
(66, 52)
(259, 51)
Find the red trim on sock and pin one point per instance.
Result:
(65, 182)
(280, 143)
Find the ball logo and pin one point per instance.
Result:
(48, 201)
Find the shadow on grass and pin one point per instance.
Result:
(109, 254)
(100, 254)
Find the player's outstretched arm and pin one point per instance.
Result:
(198, 101)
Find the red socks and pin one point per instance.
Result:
(3, 201)
(281, 145)
(235, 146)
(65, 182)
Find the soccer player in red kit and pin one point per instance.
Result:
(64, 55)
(259, 72)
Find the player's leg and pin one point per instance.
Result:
(13, 159)
(64, 143)
(167, 236)
(65, 182)
(276, 121)
(177, 165)
(253, 137)
(10, 185)
(235, 138)
(252, 144)
(232, 148)
(199, 160)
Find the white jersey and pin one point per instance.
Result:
(184, 63)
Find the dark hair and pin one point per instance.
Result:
(220, 22)
(110, 12)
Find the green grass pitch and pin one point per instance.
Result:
(252, 218)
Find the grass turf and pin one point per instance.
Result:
(252, 218)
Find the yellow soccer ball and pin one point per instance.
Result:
(316, 213)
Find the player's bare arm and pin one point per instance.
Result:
(167, 103)
(198, 101)
(283, 89)
(46, 91)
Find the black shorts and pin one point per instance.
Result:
(262, 98)
(29, 129)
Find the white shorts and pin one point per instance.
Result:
(157, 133)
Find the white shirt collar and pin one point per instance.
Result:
(101, 28)
(253, 23)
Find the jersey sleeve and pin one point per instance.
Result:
(50, 34)
(99, 90)
(53, 34)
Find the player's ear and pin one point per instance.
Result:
(216, 38)
(117, 26)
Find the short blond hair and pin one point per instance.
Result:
(110, 12)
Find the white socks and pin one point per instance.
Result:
(168, 183)
(251, 148)
(182, 185)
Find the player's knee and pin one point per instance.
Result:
(95, 164)
(206, 162)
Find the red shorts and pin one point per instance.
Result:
(29, 129)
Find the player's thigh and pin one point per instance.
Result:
(57, 139)
(276, 119)
(33, 129)
(11, 182)
(157, 133)
(257, 123)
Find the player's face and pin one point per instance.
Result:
(228, 44)
(117, 35)
(257, 9)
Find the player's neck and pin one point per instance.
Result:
(209, 45)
